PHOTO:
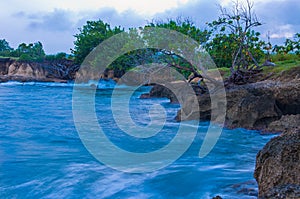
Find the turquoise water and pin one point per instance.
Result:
(42, 156)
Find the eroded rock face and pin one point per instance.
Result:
(250, 108)
(26, 70)
(284, 123)
(278, 165)
(57, 70)
(287, 96)
(4, 64)
(269, 106)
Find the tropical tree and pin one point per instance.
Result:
(5, 49)
(169, 57)
(30, 52)
(90, 36)
(290, 46)
(188, 28)
(95, 32)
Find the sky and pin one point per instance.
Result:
(55, 22)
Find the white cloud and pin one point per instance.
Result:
(284, 31)
(144, 7)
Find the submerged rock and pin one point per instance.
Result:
(217, 197)
(278, 165)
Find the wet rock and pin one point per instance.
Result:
(246, 188)
(161, 91)
(217, 197)
(284, 191)
(284, 123)
(278, 165)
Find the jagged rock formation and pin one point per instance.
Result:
(278, 165)
(260, 105)
(58, 71)
(271, 106)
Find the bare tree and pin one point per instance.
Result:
(240, 21)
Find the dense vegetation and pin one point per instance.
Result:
(231, 41)
(28, 52)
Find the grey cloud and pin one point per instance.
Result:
(199, 12)
(285, 12)
(126, 19)
(19, 14)
(280, 18)
(58, 20)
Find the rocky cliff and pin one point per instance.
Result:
(277, 168)
(270, 105)
(58, 71)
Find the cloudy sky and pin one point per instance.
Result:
(54, 22)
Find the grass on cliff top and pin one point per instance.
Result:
(14, 58)
(283, 63)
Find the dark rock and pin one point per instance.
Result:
(287, 96)
(290, 191)
(4, 64)
(284, 123)
(145, 96)
(278, 165)
(252, 106)
(161, 91)
(245, 188)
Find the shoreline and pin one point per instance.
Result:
(264, 105)
(270, 106)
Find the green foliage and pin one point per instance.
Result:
(61, 55)
(235, 43)
(281, 57)
(90, 36)
(290, 46)
(30, 52)
(50, 57)
(221, 49)
(25, 57)
(174, 60)
(95, 32)
(58, 56)
(184, 26)
(5, 49)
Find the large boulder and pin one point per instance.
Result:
(277, 170)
